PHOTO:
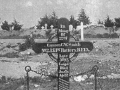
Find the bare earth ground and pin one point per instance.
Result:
(106, 54)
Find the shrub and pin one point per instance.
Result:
(48, 33)
(76, 32)
(39, 36)
(89, 36)
(16, 25)
(106, 35)
(37, 79)
(10, 55)
(99, 36)
(5, 26)
(28, 42)
(114, 35)
(22, 47)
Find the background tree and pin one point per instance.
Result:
(73, 21)
(117, 23)
(100, 22)
(16, 25)
(5, 26)
(63, 21)
(43, 21)
(49, 20)
(108, 23)
(54, 19)
(38, 25)
(82, 17)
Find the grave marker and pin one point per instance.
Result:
(63, 47)
(46, 26)
(70, 27)
(51, 26)
(42, 27)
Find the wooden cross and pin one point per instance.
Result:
(63, 47)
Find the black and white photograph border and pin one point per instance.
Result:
(59, 45)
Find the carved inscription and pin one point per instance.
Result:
(63, 59)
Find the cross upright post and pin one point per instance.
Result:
(82, 34)
(63, 61)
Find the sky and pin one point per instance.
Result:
(28, 12)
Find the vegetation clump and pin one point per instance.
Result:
(29, 41)
(13, 26)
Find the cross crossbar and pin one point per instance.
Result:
(71, 47)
